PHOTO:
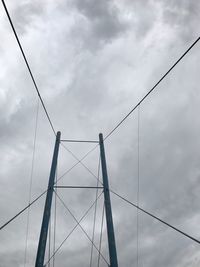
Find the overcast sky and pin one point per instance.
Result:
(93, 60)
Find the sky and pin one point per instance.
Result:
(93, 61)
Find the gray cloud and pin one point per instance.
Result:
(97, 23)
(93, 60)
(25, 14)
(182, 17)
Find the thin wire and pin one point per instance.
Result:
(27, 64)
(31, 181)
(80, 160)
(36, 87)
(148, 213)
(49, 250)
(38, 197)
(190, 237)
(55, 214)
(157, 218)
(196, 240)
(63, 203)
(9, 221)
(152, 89)
(138, 184)
(21, 211)
(101, 233)
(85, 214)
(95, 213)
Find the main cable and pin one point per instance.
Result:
(28, 66)
(157, 218)
(21, 211)
(38, 197)
(152, 89)
(148, 213)
(153, 216)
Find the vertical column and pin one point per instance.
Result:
(47, 209)
(109, 219)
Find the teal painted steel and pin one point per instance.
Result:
(108, 209)
(47, 209)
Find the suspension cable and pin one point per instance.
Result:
(169, 225)
(28, 66)
(152, 89)
(38, 197)
(21, 211)
(157, 218)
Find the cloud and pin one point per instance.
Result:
(93, 61)
(25, 14)
(182, 17)
(98, 22)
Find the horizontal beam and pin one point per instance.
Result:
(79, 141)
(76, 186)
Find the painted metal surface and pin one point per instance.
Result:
(108, 209)
(47, 209)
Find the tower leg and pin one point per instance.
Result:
(47, 209)
(109, 219)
